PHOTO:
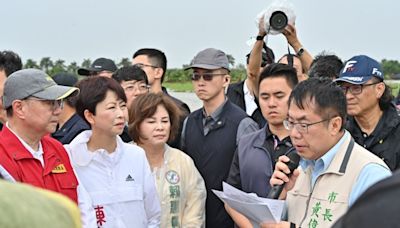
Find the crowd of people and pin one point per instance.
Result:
(122, 152)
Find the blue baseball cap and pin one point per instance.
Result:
(359, 69)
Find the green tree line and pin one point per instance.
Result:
(238, 72)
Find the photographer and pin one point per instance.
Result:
(301, 61)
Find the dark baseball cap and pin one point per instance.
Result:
(98, 65)
(33, 82)
(359, 69)
(65, 79)
(210, 59)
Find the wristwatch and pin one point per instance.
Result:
(260, 37)
(300, 52)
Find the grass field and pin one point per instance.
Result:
(179, 86)
(187, 86)
(395, 88)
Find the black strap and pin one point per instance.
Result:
(347, 156)
(290, 60)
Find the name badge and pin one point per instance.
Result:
(59, 169)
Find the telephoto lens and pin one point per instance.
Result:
(278, 20)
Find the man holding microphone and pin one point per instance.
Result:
(334, 171)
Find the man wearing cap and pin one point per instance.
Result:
(373, 119)
(70, 124)
(100, 67)
(243, 93)
(33, 103)
(210, 134)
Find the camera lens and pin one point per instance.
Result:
(278, 20)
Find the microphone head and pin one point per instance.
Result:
(294, 159)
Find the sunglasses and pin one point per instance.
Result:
(206, 76)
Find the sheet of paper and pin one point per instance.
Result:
(255, 208)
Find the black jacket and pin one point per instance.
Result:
(186, 111)
(235, 95)
(212, 154)
(384, 141)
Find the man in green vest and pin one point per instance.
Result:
(334, 170)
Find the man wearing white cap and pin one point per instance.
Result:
(28, 154)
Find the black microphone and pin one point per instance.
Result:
(292, 164)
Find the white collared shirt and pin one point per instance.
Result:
(36, 154)
(249, 100)
(119, 184)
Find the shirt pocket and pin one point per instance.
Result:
(67, 184)
(67, 180)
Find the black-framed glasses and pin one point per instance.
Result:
(356, 89)
(142, 65)
(54, 104)
(206, 76)
(301, 127)
(139, 86)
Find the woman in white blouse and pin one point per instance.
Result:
(119, 187)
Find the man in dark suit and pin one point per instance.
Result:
(242, 93)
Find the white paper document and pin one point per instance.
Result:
(256, 209)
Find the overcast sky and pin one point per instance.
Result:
(76, 29)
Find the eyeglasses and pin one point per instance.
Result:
(300, 127)
(355, 89)
(54, 104)
(139, 86)
(206, 76)
(142, 65)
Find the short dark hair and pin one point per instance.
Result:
(290, 57)
(267, 57)
(93, 90)
(280, 70)
(10, 62)
(328, 98)
(326, 65)
(129, 73)
(144, 106)
(156, 57)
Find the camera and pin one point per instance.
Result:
(278, 20)
(277, 16)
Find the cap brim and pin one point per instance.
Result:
(83, 71)
(204, 66)
(86, 72)
(56, 92)
(350, 81)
